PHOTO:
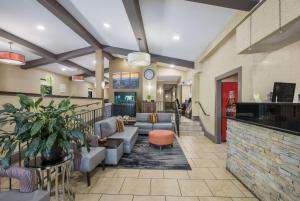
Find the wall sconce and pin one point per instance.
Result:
(103, 84)
(160, 91)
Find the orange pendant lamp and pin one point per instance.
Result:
(12, 58)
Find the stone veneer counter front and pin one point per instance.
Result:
(266, 161)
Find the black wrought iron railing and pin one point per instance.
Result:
(177, 117)
(202, 109)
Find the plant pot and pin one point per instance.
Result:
(53, 155)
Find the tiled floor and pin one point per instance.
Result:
(207, 181)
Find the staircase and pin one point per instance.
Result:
(190, 128)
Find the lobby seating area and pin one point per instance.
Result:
(149, 100)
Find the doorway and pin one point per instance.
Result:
(229, 98)
(234, 80)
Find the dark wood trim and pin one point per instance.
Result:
(37, 63)
(30, 47)
(133, 11)
(245, 5)
(10, 93)
(171, 60)
(75, 53)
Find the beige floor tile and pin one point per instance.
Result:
(87, 197)
(207, 156)
(224, 188)
(242, 188)
(214, 199)
(108, 172)
(194, 188)
(191, 162)
(149, 198)
(127, 173)
(221, 163)
(135, 186)
(116, 198)
(200, 173)
(204, 163)
(244, 199)
(176, 174)
(173, 198)
(154, 174)
(221, 173)
(165, 187)
(108, 185)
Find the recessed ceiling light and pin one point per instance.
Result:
(94, 62)
(176, 37)
(106, 25)
(63, 69)
(40, 27)
(172, 66)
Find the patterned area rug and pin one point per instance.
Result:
(144, 156)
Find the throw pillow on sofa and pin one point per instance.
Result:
(92, 139)
(153, 118)
(120, 125)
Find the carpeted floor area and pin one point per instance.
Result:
(144, 156)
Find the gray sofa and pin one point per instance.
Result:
(107, 128)
(164, 122)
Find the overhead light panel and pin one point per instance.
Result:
(176, 37)
(40, 27)
(106, 25)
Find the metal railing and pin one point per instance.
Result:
(158, 106)
(177, 118)
(202, 109)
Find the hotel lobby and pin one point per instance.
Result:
(150, 100)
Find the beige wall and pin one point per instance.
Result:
(14, 79)
(121, 65)
(259, 72)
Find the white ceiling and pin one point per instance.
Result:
(61, 69)
(4, 46)
(20, 17)
(88, 61)
(197, 25)
(95, 13)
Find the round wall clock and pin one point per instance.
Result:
(149, 74)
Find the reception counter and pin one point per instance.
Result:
(264, 149)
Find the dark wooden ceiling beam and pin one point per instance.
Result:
(30, 47)
(245, 5)
(134, 14)
(75, 53)
(37, 63)
(61, 13)
(154, 57)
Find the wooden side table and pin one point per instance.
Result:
(59, 172)
(114, 150)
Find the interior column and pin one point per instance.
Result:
(99, 73)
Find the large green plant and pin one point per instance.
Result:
(40, 127)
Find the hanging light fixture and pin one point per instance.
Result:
(139, 59)
(12, 58)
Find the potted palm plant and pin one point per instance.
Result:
(47, 130)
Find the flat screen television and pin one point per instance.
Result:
(283, 92)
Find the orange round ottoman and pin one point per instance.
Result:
(161, 137)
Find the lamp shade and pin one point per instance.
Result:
(139, 59)
(12, 58)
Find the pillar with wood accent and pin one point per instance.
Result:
(99, 58)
